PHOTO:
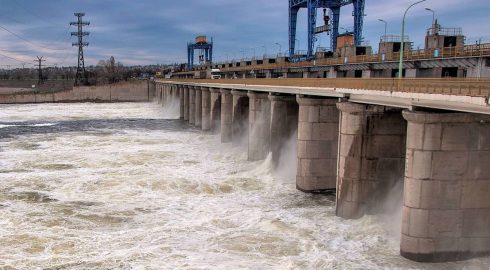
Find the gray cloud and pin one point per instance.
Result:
(143, 32)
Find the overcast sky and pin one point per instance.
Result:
(157, 31)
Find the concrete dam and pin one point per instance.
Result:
(360, 139)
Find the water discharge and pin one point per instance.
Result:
(118, 186)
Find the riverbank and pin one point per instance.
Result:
(134, 91)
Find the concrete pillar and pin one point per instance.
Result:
(186, 103)
(318, 132)
(160, 97)
(332, 73)
(411, 73)
(268, 74)
(371, 158)
(226, 115)
(175, 93)
(259, 126)
(215, 110)
(367, 73)
(192, 105)
(181, 98)
(206, 109)
(284, 123)
(198, 110)
(285, 75)
(166, 91)
(240, 117)
(446, 209)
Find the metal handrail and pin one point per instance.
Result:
(425, 54)
(448, 86)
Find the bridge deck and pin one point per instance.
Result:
(467, 95)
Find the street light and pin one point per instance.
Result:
(265, 50)
(280, 49)
(433, 15)
(400, 66)
(253, 49)
(386, 26)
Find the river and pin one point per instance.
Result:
(121, 186)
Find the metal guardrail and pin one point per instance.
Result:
(394, 38)
(445, 31)
(446, 86)
(424, 54)
(450, 52)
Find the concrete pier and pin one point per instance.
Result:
(318, 132)
(284, 123)
(192, 105)
(226, 115)
(446, 211)
(181, 98)
(215, 114)
(159, 92)
(198, 110)
(259, 126)
(206, 109)
(240, 117)
(186, 103)
(371, 157)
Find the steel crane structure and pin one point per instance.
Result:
(206, 51)
(334, 7)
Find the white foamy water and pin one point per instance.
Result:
(115, 186)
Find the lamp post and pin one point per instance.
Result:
(280, 49)
(433, 15)
(386, 26)
(265, 50)
(400, 66)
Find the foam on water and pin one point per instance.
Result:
(161, 198)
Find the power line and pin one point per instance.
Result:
(30, 42)
(34, 14)
(15, 59)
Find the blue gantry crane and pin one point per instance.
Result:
(206, 51)
(331, 21)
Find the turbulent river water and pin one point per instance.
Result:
(121, 186)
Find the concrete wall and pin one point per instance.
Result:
(226, 115)
(215, 110)
(318, 132)
(138, 91)
(284, 123)
(371, 157)
(240, 117)
(446, 211)
(259, 126)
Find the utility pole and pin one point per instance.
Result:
(40, 61)
(81, 74)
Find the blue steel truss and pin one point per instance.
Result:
(208, 53)
(334, 6)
